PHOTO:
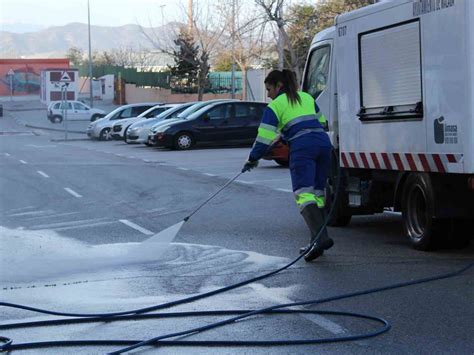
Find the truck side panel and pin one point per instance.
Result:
(469, 142)
(446, 86)
(439, 137)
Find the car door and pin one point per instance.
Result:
(247, 120)
(66, 107)
(213, 124)
(80, 111)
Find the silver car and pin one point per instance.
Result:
(101, 129)
(138, 131)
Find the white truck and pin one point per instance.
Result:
(396, 82)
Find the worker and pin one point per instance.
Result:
(295, 116)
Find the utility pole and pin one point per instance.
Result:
(281, 41)
(190, 16)
(232, 77)
(90, 55)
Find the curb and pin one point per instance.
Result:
(54, 129)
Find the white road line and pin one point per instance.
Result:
(136, 227)
(23, 162)
(284, 190)
(207, 174)
(32, 213)
(6, 154)
(72, 192)
(245, 182)
(43, 174)
(182, 168)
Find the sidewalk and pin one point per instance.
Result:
(30, 112)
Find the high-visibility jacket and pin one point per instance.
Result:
(289, 120)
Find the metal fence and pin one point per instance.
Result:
(218, 82)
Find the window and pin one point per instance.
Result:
(317, 71)
(390, 73)
(125, 113)
(241, 110)
(137, 110)
(56, 106)
(79, 106)
(220, 112)
(65, 106)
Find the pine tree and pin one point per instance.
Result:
(186, 69)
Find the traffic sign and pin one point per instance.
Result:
(65, 78)
(11, 72)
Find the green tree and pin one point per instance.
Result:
(223, 62)
(185, 70)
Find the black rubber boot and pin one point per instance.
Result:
(315, 218)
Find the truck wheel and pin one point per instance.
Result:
(340, 216)
(183, 141)
(105, 135)
(418, 211)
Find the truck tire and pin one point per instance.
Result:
(340, 216)
(418, 211)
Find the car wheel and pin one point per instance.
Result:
(95, 117)
(183, 141)
(125, 134)
(105, 134)
(57, 119)
(340, 216)
(418, 211)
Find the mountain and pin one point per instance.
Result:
(55, 41)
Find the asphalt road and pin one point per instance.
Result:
(74, 216)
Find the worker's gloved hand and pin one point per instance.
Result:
(249, 165)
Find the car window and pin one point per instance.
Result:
(317, 71)
(65, 106)
(56, 105)
(135, 111)
(79, 106)
(219, 112)
(125, 113)
(241, 110)
(177, 112)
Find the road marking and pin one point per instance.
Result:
(284, 190)
(245, 182)
(23, 162)
(207, 174)
(43, 174)
(183, 168)
(72, 192)
(6, 154)
(32, 213)
(136, 227)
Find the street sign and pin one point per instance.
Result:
(65, 78)
(11, 72)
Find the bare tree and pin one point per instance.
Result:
(207, 29)
(273, 10)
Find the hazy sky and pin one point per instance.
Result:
(47, 13)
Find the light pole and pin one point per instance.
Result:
(232, 77)
(90, 55)
(162, 16)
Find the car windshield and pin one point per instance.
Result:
(184, 115)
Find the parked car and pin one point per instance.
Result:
(183, 115)
(279, 152)
(226, 122)
(119, 128)
(138, 131)
(101, 128)
(75, 110)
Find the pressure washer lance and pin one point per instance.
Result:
(213, 195)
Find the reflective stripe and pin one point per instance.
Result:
(302, 190)
(320, 201)
(268, 127)
(302, 206)
(298, 120)
(305, 198)
(306, 131)
(263, 140)
(266, 134)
